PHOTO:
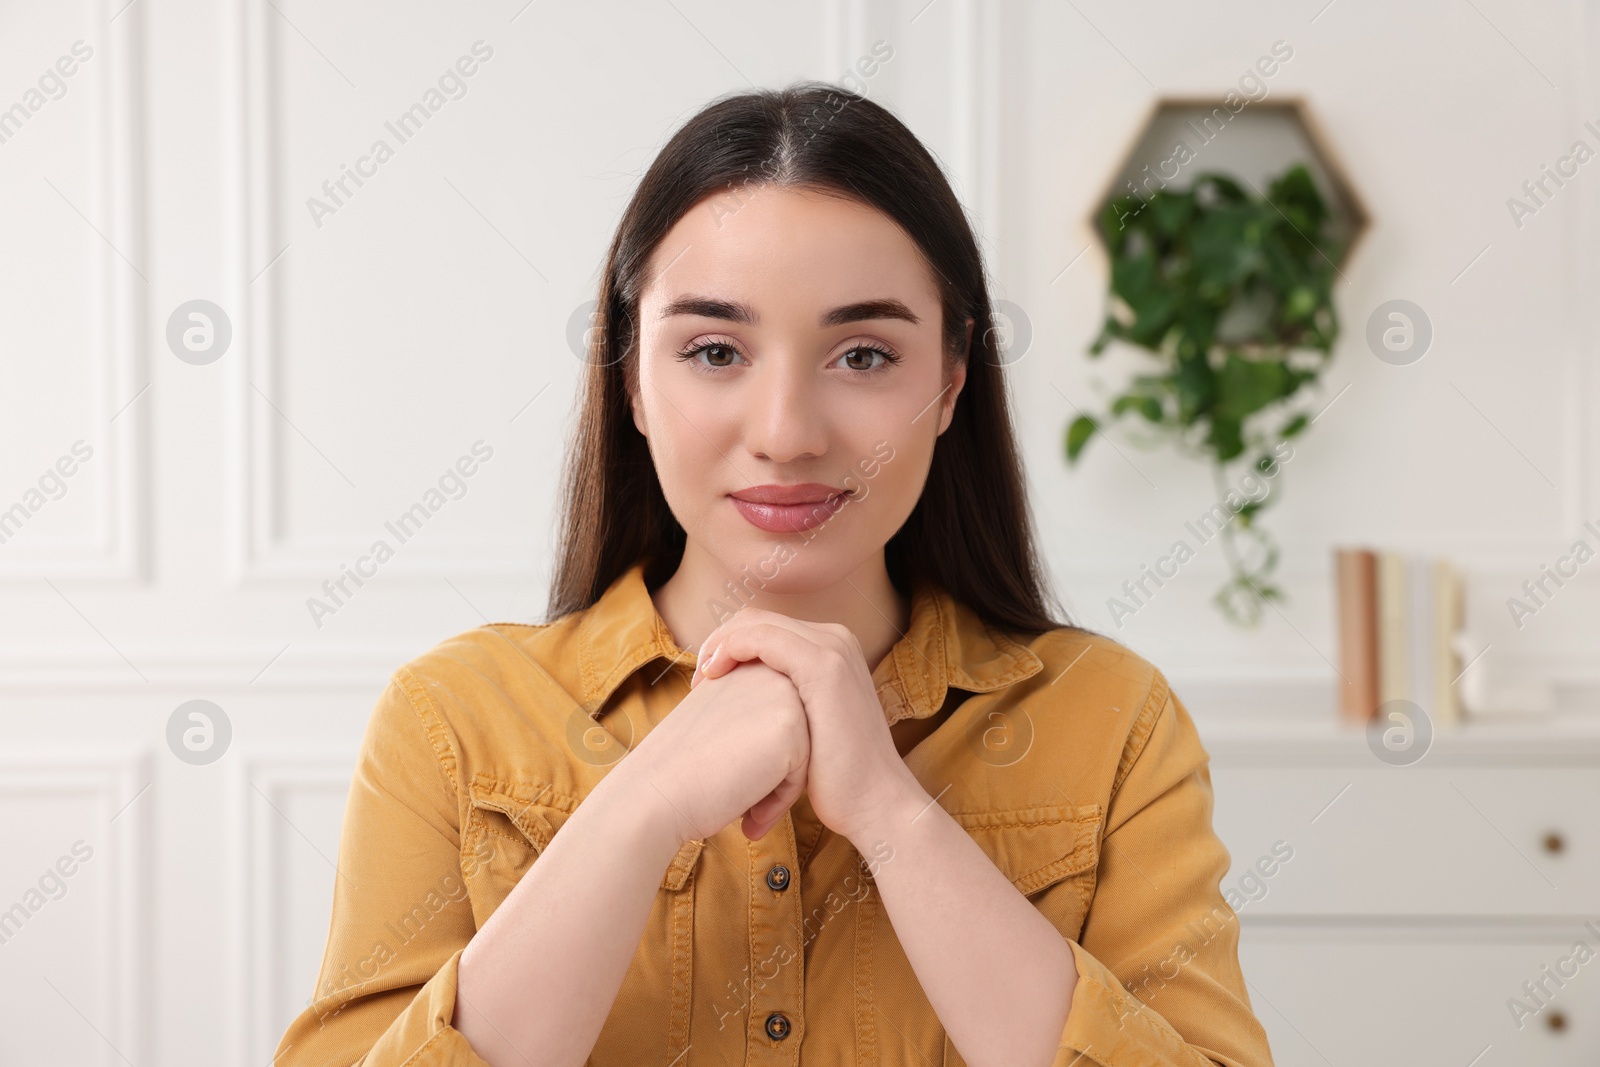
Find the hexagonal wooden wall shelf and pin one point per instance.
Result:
(1181, 137)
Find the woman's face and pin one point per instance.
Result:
(787, 338)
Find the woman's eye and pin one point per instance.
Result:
(862, 358)
(718, 355)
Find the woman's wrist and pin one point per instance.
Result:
(891, 808)
(654, 824)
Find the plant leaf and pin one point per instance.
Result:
(1083, 427)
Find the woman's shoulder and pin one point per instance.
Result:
(503, 708)
(1095, 704)
(494, 680)
(1092, 666)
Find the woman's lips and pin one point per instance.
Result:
(788, 509)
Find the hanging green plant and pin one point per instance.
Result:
(1231, 296)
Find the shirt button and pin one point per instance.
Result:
(777, 1026)
(778, 878)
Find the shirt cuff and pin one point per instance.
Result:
(1109, 1026)
(424, 1032)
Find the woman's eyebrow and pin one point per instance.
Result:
(869, 309)
(733, 311)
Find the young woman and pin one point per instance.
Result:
(889, 810)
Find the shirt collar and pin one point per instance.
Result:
(947, 646)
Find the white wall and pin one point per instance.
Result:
(375, 345)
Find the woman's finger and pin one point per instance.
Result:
(779, 647)
(766, 812)
(743, 619)
(703, 664)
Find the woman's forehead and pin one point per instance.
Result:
(791, 252)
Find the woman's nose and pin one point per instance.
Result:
(783, 415)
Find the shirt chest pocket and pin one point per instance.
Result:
(1055, 848)
(509, 825)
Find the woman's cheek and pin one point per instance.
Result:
(687, 463)
(893, 491)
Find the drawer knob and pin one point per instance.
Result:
(1556, 1021)
(1554, 843)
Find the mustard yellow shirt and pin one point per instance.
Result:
(1066, 756)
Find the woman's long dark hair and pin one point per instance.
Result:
(971, 531)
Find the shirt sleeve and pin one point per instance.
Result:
(1158, 964)
(386, 989)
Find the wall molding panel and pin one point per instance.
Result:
(115, 783)
(262, 832)
(118, 291)
(260, 550)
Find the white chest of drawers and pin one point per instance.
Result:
(1422, 903)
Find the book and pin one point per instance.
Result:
(1419, 649)
(1355, 571)
(1394, 680)
(1449, 620)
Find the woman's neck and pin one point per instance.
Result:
(695, 600)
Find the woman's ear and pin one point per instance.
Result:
(958, 378)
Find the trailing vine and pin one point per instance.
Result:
(1230, 294)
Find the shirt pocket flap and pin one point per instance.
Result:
(519, 830)
(1037, 847)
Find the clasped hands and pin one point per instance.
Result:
(855, 774)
